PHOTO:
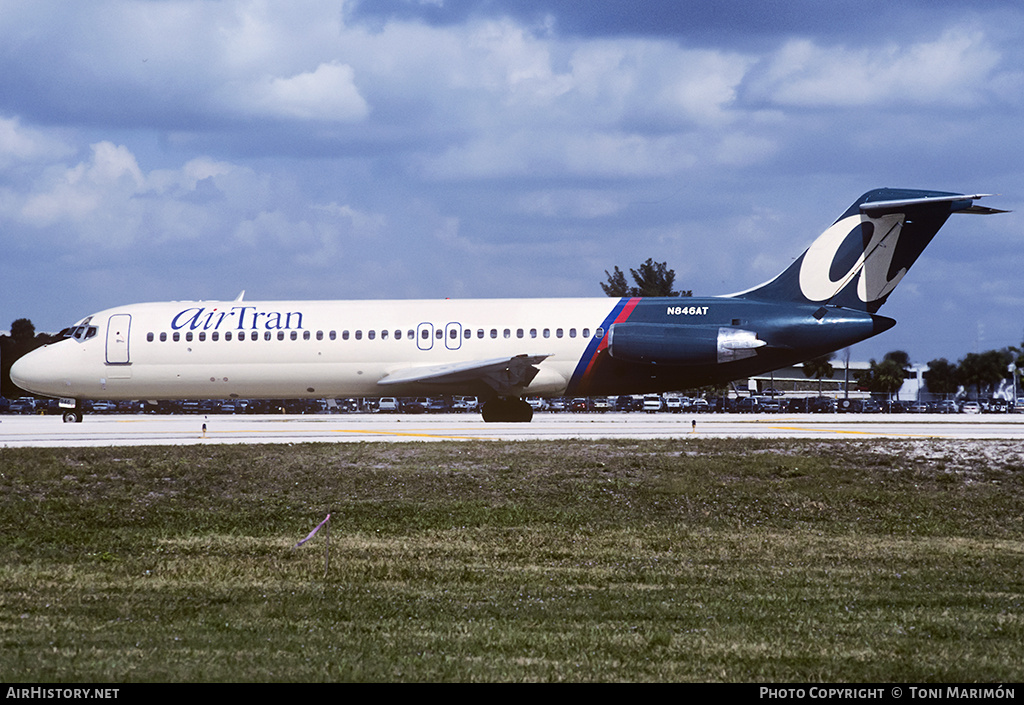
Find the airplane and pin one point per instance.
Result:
(501, 350)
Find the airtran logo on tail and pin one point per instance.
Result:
(856, 246)
(236, 318)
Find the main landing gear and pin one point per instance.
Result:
(505, 409)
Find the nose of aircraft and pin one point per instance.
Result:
(34, 373)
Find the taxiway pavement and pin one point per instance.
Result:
(124, 430)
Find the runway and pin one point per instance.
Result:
(125, 430)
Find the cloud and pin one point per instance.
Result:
(402, 148)
(76, 193)
(954, 69)
(327, 93)
(21, 145)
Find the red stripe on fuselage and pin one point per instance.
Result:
(624, 313)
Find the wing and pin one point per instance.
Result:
(505, 375)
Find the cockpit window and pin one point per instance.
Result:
(81, 333)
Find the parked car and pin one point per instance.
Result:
(388, 405)
(652, 403)
(415, 406)
(557, 404)
(438, 405)
(971, 407)
(465, 404)
(625, 403)
(998, 406)
(22, 405)
(699, 406)
(537, 403)
(747, 405)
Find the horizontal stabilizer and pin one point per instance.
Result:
(878, 208)
(505, 375)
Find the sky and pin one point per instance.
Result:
(191, 149)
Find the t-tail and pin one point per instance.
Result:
(857, 262)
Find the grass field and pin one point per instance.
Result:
(685, 560)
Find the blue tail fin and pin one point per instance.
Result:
(858, 261)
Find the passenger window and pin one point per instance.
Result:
(267, 335)
(533, 332)
(425, 334)
(176, 336)
(480, 333)
(359, 335)
(453, 334)
(227, 336)
(202, 335)
(599, 333)
(586, 332)
(507, 333)
(319, 335)
(558, 333)
(344, 335)
(294, 336)
(254, 336)
(572, 332)
(384, 335)
(215, 336)
(519, 332)
(280, 335)
(305, 335)
(188, 336)
(439, 334)
(398, 334)
(334, 335)
(163, 337)
(149, 337)
(371, 334)
(494, 332)
(547, 332)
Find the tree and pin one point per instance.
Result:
(818, 368)
(886, 377)
(652, 279)
(23, 329)
(22, 339)
(984, 370)
(942, 377)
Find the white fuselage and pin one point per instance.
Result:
(322, 349)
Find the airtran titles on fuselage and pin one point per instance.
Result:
(236, 318)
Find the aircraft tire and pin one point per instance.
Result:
(73, 416)
(507, 411)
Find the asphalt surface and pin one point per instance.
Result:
(124, 430)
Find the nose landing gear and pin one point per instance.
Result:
(74, 415)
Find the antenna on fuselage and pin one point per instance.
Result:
(241, 295)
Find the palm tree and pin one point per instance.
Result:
(818, 368)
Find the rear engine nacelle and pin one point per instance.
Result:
(667, 344)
